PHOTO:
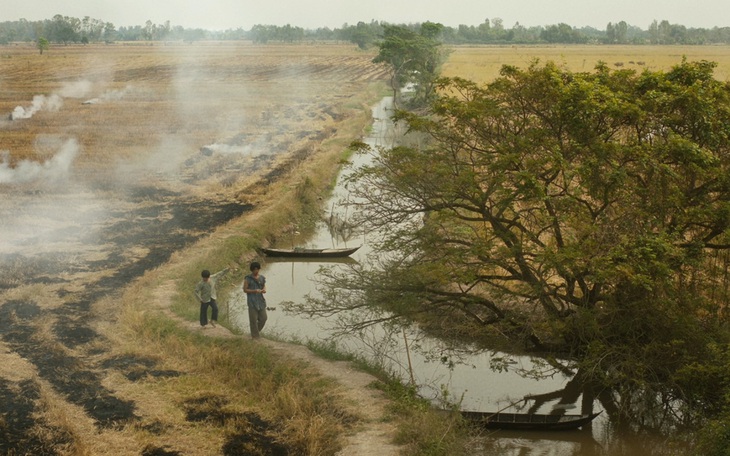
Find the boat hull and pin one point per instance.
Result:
(525, 421)
(309, 253)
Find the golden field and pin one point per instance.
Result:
(482, 64)
(125, 101)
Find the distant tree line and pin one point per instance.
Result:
(64, 30)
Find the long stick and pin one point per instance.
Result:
(525, 399)
(408, 354)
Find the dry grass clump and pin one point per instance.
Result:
(228, 384)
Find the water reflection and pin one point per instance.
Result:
(442, 372)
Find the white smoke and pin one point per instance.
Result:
(52, 170)
(40, 102)
(54, 102)
(165, 161)
(115, 94)
(76, 89)
(228, 149)
(109, 95)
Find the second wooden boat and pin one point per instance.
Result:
(529, 421)
(309, 253)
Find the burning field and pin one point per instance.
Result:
(113, 158)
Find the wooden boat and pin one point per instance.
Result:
(528, 421)
(309, 253)
(336, 260)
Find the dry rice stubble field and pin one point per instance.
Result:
(481, 64)
(114, 158)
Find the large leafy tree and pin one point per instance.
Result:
(64, 29)
(361, 34)
(573, 212)
(413, 57)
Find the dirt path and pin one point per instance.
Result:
(373, 435)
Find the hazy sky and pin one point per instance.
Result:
(310, 14)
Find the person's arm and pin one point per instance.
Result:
(246, 289)
(197, 293)
(219, 274)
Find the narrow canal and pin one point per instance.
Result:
(441, 372)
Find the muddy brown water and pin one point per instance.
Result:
(441, 371)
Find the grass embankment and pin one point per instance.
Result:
(237, 376)
(244, 372)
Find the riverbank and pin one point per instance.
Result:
(305, 416)
(310, 404)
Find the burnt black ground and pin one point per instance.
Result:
(164, 223)
(20, 431)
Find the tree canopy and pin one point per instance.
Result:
(413, 57)
(582, 213)
(68, 29)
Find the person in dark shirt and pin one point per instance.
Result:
(254, 285)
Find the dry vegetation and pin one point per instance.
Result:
(482, 64)
(169, 101)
